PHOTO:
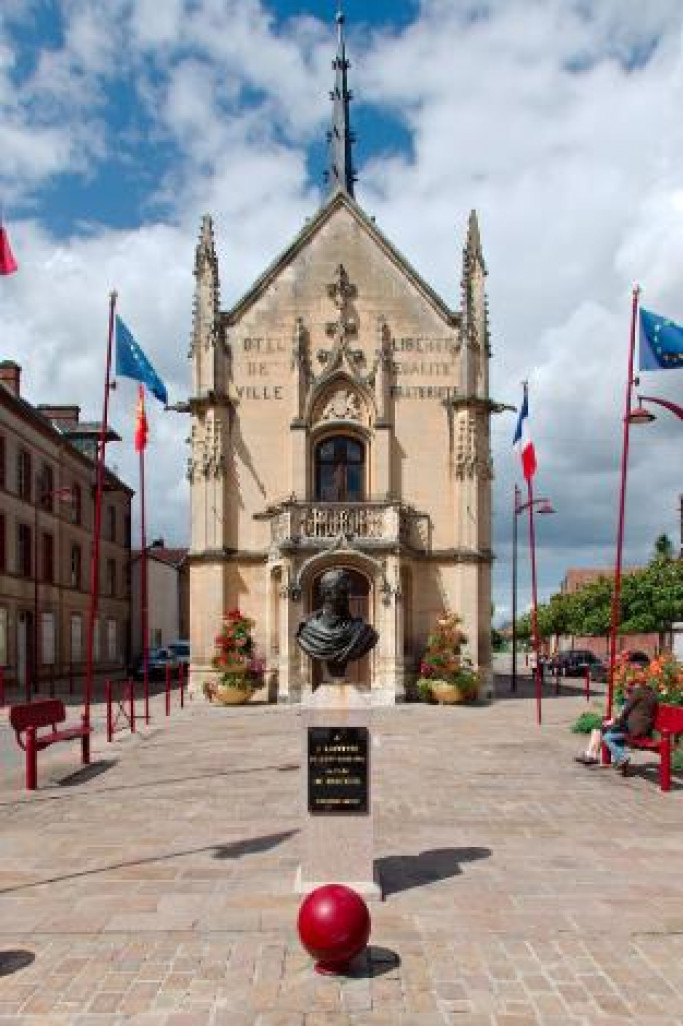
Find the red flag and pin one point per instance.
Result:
(8, 264)
(140, 421)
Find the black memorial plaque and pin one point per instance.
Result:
(338, 770)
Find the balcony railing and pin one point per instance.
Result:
(318, 524)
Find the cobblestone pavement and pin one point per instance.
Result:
(521, 888)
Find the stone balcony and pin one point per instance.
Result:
(318, 525)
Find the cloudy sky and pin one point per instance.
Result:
(123, 121)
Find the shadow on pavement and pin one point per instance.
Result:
(650, 772)
(253, 845)
(223, 851)
(374, 961)
(86, 773)
(403, 872)
(15, 961)
(570, 687)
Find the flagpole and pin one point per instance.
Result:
(143, 580)
(95, 546)
(534, 598)
(616, 594)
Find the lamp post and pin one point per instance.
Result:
(544, 506)
(42, 495)
(638, 415)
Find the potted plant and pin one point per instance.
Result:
(446, 675)
(238, 672)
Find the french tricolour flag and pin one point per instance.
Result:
(522, 440)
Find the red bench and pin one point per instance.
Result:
(47, 712)
(668, 724)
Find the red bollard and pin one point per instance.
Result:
(131, 695)
(588, 684)
(665, 761)
(85, 742)
(2, 686)
(181, 675)
(110, 718)
(168, 689)
(31, 759)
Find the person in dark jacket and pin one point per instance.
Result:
(636, 719)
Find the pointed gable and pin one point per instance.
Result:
(341, 201)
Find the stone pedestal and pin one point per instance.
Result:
(337, 847)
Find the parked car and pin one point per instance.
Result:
(181, 651)
(575, 662)
(635, 658)
(157, 661)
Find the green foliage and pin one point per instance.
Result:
(664, 547)
(677, 760)
(651, 600)
(586, 722)
(424, 690)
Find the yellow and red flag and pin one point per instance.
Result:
(140, 421)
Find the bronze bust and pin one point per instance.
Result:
(331, 634)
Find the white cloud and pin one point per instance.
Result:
(575, 173)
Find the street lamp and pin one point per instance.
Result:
(640, 415)
(543, 506)
(42, 495)
(637, 415)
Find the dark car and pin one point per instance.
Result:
(181, 651)
(575, 662)
(157, 661)
(635, 658)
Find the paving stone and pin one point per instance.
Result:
(161, 891)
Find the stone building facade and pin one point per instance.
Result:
(46, 531)
(340, 417)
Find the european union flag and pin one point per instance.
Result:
(661, 342)
(131, 362)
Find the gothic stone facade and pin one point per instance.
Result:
(340, 417)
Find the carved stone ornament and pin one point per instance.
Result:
(343, 405)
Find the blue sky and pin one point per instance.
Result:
(123, 121)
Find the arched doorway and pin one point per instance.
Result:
(340, 469)
(359, 602)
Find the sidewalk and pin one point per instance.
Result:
(156, 887)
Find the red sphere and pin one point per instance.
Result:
(334, 926)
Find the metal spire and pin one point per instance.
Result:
(340, 139)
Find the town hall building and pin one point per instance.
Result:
(340, 418)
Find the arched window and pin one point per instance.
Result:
(340, 470)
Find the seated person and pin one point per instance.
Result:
(636, 719)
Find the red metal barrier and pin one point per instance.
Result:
(110, 719)
(588, 685)
(181, 675)
(31, 759)
(131, 694)
(168, 689)
(119, 710)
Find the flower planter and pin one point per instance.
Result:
(223, 695)
(447, 694)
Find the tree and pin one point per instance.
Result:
(652, 600)
(664, 548)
